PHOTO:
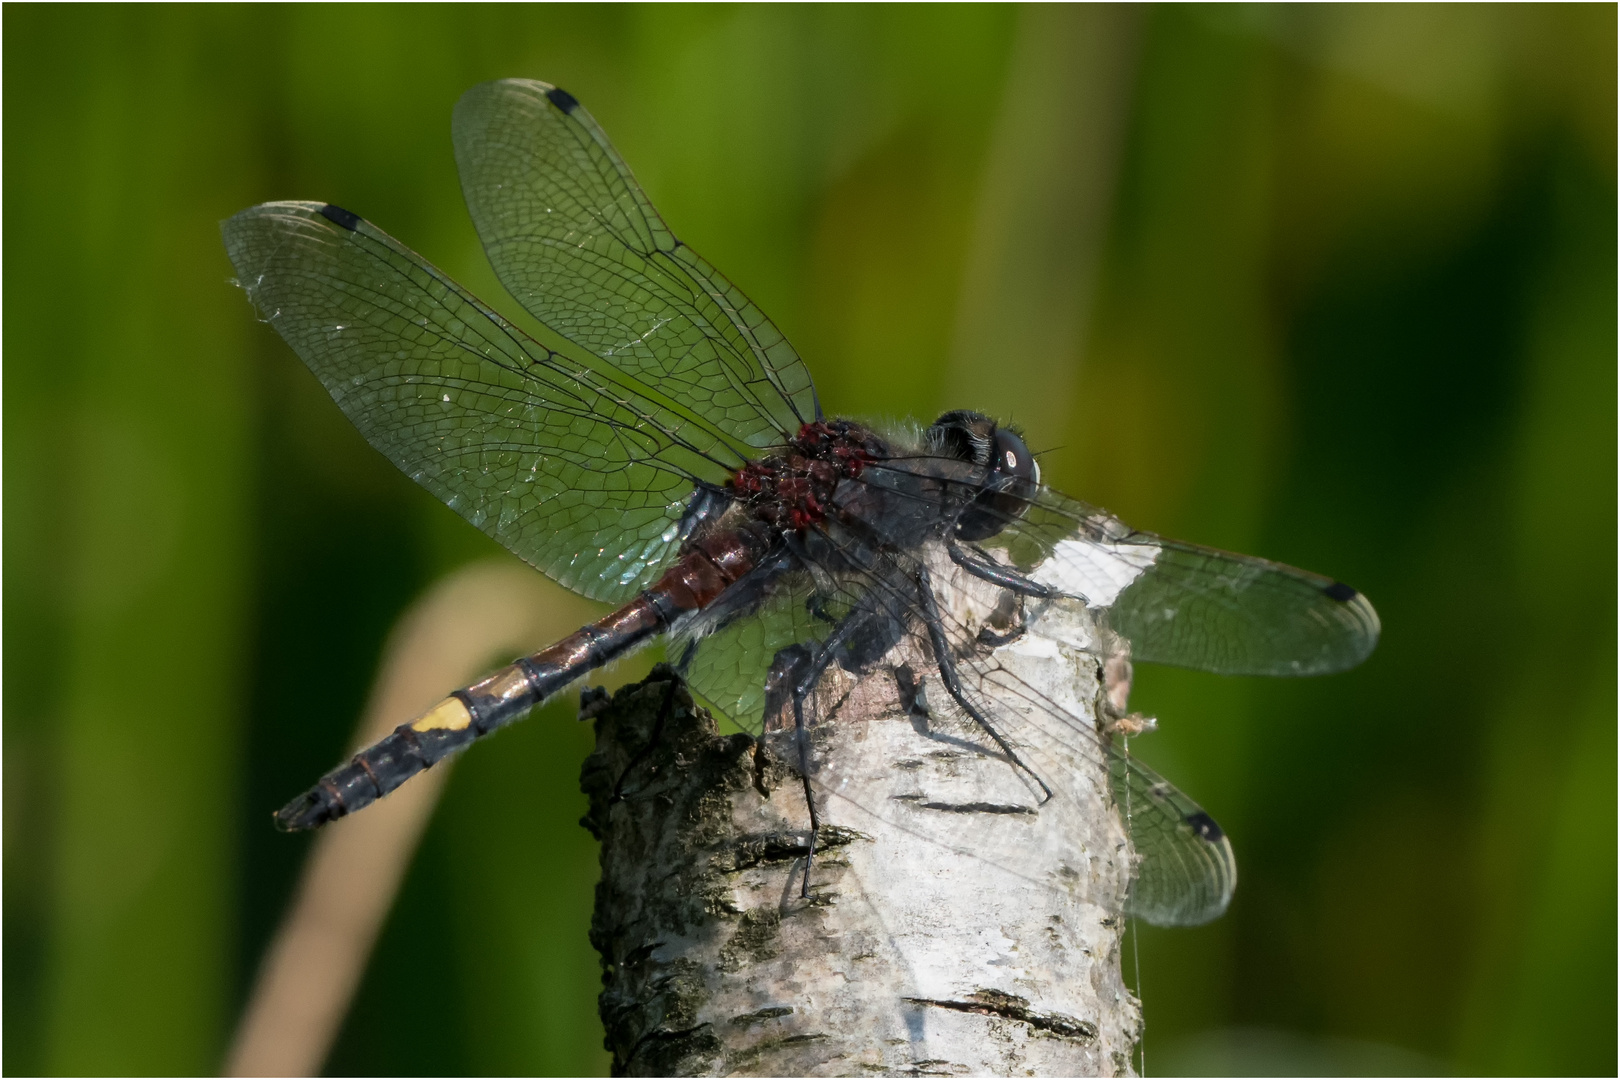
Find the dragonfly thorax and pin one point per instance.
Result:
(794, 489)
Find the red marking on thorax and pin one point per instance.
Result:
(794, 490)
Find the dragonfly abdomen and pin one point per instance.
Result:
(710, 564)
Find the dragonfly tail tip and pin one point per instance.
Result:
(308, 811)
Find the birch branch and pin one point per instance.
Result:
(954, 925)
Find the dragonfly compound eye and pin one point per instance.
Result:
(1013, 457)
(1010, 481)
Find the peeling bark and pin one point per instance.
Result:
(954, 924)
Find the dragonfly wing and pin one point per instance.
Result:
(727, 654)
(1041, 689)
(579, 469)
(575, 240)
(1191, 606)
(1186, 871)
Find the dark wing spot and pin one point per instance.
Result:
(562, 99)
(1205, 826)
(1341, 592)
(339, 216)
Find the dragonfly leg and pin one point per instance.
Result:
(817, 666)
(981, 566)
(953, 685)
(989, 637)
(809, 797)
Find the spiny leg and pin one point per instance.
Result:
(953, 685)
(817, 666)
(809, 797)
(997, 574)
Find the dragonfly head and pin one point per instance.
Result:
(1011, 473)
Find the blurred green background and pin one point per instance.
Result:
(1333, 285)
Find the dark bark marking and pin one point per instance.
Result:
(1013, 1007)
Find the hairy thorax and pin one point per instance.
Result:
(794, 490)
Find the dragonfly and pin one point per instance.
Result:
(668, 454)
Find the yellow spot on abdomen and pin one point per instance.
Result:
(449, 713)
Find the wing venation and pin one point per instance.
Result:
(1178, 603)
(575, 467)
(575, 240)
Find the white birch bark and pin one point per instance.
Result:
(956, 923)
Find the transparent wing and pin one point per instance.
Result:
(579, 469)
(1186, 605)
(1039, 689)
(726, 655)
(1036, 689)
(577, 243)
(1186, 872)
